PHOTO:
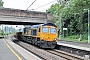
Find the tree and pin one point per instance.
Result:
(1, 3)
(72, 14)
(53, 10)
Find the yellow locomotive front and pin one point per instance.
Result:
(48, 33)
(48, 36)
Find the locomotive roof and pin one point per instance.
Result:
(46, 24)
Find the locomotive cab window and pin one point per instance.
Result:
(34, 32)
(44, 29)
(39, 30)
(26, 31)
(52, 30)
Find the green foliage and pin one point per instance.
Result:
(75, 38)
(1, 3)
(72, 15)
(85, 36)
(2, 32)
(53, 8)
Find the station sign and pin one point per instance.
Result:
(64, 28)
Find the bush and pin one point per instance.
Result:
(85, 36)
(74, 37)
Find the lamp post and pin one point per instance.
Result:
(88, 25)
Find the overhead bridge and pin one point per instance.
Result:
(23, 17)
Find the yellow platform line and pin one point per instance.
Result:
(12, 50)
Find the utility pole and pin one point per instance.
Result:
(88, 25)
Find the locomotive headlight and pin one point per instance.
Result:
(42, 38)
(55, 39)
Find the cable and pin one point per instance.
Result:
(44, 9)
(31, 4)
(44, 5)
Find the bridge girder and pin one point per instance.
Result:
(23, 17)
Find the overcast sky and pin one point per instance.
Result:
(24, 4)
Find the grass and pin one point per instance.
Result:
(74, 40)
(1, 35)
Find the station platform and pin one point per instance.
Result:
(8, 53)
(81, 46)
(11, 51)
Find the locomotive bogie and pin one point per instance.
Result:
(40, 43)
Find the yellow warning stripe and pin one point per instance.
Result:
(12, 50)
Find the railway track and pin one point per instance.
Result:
(41, 53)
(65, 55)
(50, 54)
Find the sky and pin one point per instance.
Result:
(14, 26)
(24, 4)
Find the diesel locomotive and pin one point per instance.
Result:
(42, 35)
